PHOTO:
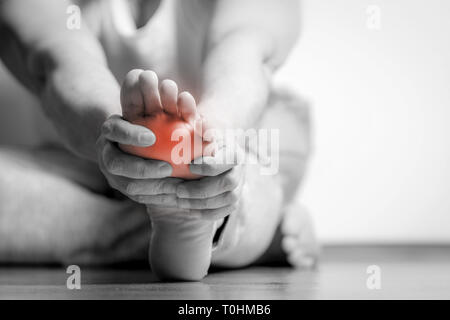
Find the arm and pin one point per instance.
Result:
(248, 40)
(65, 68)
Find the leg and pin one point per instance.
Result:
(295, 240)
(51, 212)
(261, 226)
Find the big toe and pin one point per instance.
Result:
(148, 83)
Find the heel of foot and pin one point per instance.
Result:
(181, 250)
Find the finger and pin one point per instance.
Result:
(208, 166)
(117, 162)
(130, 96)
(148, 82)
(223, 160)
(118, 130)
(136, 187)
(220, 201)
(187, 107)
(165, 200)
(213, 214)
(169, 95)
(210, 186)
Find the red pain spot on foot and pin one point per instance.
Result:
(176, 143)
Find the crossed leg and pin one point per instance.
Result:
(270, 225)
(55, 208)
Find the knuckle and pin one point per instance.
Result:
(141, 168)
(131, 188)
(181, 203)
(126, 134)
(113, 165)
(162, 199)
(202, 193)
(167, 186)
(140, 199)
(160, 187)
(205, 204)
(107, 127)
(166, 199)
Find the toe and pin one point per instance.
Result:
(148, 82)
(131, 97)
(299, 238)
(291, 225)
(296, 220)
(169, 95)
(187, 107)
(289, 243)
(300, 259)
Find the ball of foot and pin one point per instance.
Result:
(176, 143)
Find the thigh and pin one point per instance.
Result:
(51, 210)
(289, 114)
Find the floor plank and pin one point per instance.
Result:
(407, 272)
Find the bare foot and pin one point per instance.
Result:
(299, 242)
(294, 242)
(180, 247)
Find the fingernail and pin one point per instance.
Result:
(193, 168)
(147, 138)
(305, 261)
(165, 170)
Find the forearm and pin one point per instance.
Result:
(242, 52)
(236, 81)
(78, 97)
(65, 68)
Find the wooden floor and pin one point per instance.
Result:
(419, 272)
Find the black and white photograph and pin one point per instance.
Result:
(236, 151)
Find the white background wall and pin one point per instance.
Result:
(381, 107)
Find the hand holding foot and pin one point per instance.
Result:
(169, 115)
(184, 219)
